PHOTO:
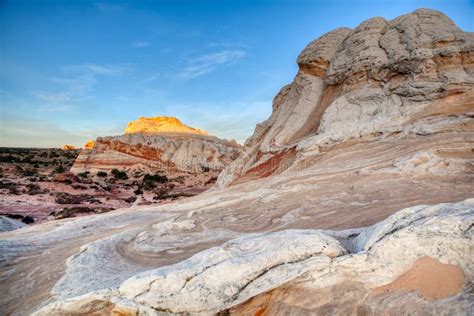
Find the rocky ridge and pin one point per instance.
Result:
(361, 176)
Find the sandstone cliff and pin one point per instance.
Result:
(159, 144)
(358, 184)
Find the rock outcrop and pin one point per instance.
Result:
(362, 178)
(158, 144)
(161, 125)
(89, 145)
(8, 224)
(68, 147)
(409, 78)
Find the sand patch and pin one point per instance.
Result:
(341, 299)
(431, 278)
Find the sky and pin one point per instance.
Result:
(75, 70)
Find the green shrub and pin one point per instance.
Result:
(120, 175)
(52, 154)
(82, 175)
(102, 174)
(30, 172)
(59, 169)
(9, 158)
(150, 181)
(155, 178)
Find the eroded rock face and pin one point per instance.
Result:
(160, 143)
(383, 80)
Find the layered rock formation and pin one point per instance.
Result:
(405, 80)
(379, 119)
(158, 144)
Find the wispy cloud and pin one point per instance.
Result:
(108, 7)
(237, 122)
(56, 101)
(53, 97)
(96, 69)
(228, 45)
(25, 132)
(58, 108)
(76, 84)
(140, 44)
(207, 63)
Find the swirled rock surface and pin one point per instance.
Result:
(159, 144)
(353, 198)
(307, 262)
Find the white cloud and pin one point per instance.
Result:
(207, 63)
(140, 44)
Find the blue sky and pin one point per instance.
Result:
(74, 70)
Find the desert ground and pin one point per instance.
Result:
(36, 186)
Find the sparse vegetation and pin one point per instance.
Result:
(150, 181)
(30, 173)
(83, 175)
(59, 169)
(211, 181)
(66, 198)
(102, 174)
(130, 199)
(179, 179)
(119, 175)
(76, 210)
(36, 175)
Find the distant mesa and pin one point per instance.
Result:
(159, 143)
(68, 147)
(89, 145)
(161, 124)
